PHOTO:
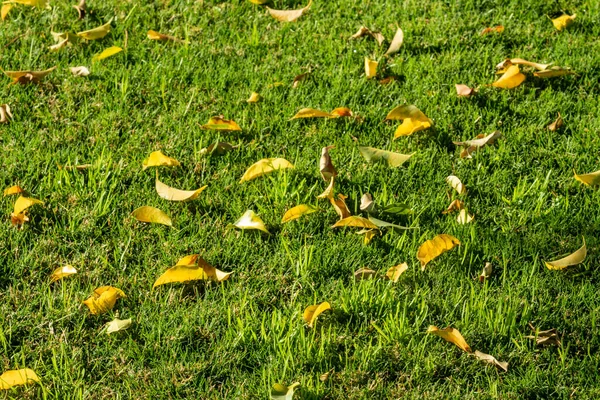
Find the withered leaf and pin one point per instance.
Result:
(491, 359)
(572, 259)
(557, 124)
(288, 15)
(326, 167)
(435, 247)
(364, 31)
(451, 335)
(396, 42)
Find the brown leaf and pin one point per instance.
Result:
(300, 78)
(497, 29)
(491, 359)
(326, 167)
(364, 31)
(557, 124)
(340, 205)
(545, 338)
(479, 142)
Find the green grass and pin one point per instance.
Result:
(234, 340)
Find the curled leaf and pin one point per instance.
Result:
(300, 78)
(117, 325)
(364, 274)
(218, 148)
(328, 193)
(364, 31)
(464, 90)
(374, 155)
(153, 35)
(282, 392)
(79, 71)
(393, 274)
(570, 260)
(221, 124)
(111, 51)
(413, 120)
(250, 221)
(563, 21)
(172, 194)
(435, 247)
(288, 15)
(62, 272)
(96, 33)
(511, 78)
(311, 113)
(366, 203)
(456, 205)
(158, 159)
(191, 268)
(479, 142)
(355, 221)
(591, 179)
(557, 124)
(545, 338)
(25, 77)
(369, 235)
(326, 167)
(370, 68)
(486, 273)
(151, 215)
(451, 335)
(103, 299)
(13, 190)
(254, 98)
(456, 184)
(297, 212)
(519, 61)
(396, 42)
(491, 359)
(312, 312)
(17, 377)
(23, 203)
(5, 114)
(340, 206)
(265, 166)
(81, 9)
(464, 217)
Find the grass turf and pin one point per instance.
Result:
(234, 340)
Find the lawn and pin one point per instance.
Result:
(235, 339)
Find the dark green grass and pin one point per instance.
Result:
(234, 340)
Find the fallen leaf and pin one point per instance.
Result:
(250, 221)
(265, 166)
(340, 206)
(111, 51)
(96, 33)
(363, 274)
(476, 144)
(563, 21)
(151, 215)
(491, 359)
(455, 182)
(520, 61)
(117, 325)
(486, 273)
(369, 235)
(62, 272)
(300, 78)
(282, 392)
(435, 247)
(81, 167)
(374, 155)
(79, 71)
(103, 299)
(23, 203)
(366, 203)
(297, 212)
(497, 29)
(413, 120)
(557, 124)
(393, 274)
(17, 377)
(311, 113)
(341, 112)
(326, 167)
(383, 224)
(591, 179)
(81, 9)
(545, 338)
(364, 31)
(355, 221)
(511, 78)
(191, 268)
(288, 15)
(396, 42)
(464, 90)
(464, 217)
(13, 190)
(370, 68)
(328, 193)
(451, 335)
(158, 159)
(5, 114)
(25, 77)
(456, 205)
(218, 148)
(570, 260)
(221, 124)
(172, 194)
(254, 98)
(312, 312)
(5, 10)
(324, 377)
(153, 35)
(553, 72)
(59, 45)
(387, 80)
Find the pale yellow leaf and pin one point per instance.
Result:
(486, 272)
(328, 193)
(288, 15)
(364, 31)
(300, 78)
(479, 142)
(393, 274)
(570, 260)
(59, 45)
(79, 71)
(326, 167)
(250, 221)
(464, 217)
(557, 124)
(17, 377)
(455, 182)
(111, 51)
(393, 159)
(553, 72)
(491, 359)
(103, 299)
(62, 272)
(221, 124)
(117, 325)
(312, 312)
(158, 159)
(311, 113)
(364, 274)
(464, 90)
(81, 9)
(450, 335)
(25, 77)
(254, 98)
(520, 61)
(370, 68)
(511, 78)
(396, 42)
(96, 33)
(563, 21)
(591, 179)
(297, 212)
(265, 166)
(355, 221)
(435, 247)
(5, 114)
(151, 215)
(172, 194)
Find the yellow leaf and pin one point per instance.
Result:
(491, 359)
(456, 205)
(455, 182)
(300, 78)
(464, 91)
(79, 71)
(340, 206)
(557, 124)
(254, 98)
(191, 268)
(151, 215)
(435, 247)
(25, 77)
(464, 217)
(297, 212)
(450, 335)
(96, 33)
(288, 15)
(570, 260)
(13, 190)
(511, 78)
(393, 159)
(563, 21)
(5, 10)
(153, 35)
(117, 325)
(370, 68)
(396, 42)
(282, 392)
(553, 72)
(221, 124)
(158, 159)
(364, 31)
(111, 51)
(393, 274)
(328, 193)
(59, 45)
(33, 3)
(364, 274)
(591, 179)
(413, 120)
(103, 299)
(62, 272)
(355, 221)
(326, 167)
(250, 221)
(172, 194)
(341, 112)
(369, 235)
(23, 203)
(265, 166)
(17, 377)
(312, 312)
(311, 113)
(475, 144)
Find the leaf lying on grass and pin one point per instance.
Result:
(553, 72)
(79, 71)
(477, 143)
(297, 212)
(364, 31)
(486, 272)
(364, 274)
(254, 98)
(18, 216)
(5, 114)
(339, 112)
(282, 392)
(435, 247)
(511, 78)
(81, 9)
(451, 335)
(191, 268)
(13, 190)
(265, 166)
(393, 274)
(413, 120)
(463, 90)
(491, 359)
(355, 221)
(5, 10)
(117, 325)
(151, 215)
(340, 206)
(383, 224)
(12, 378)
(326, 167)
(393, 159)
(496, 29)
(545, 338)
(464, 217)
(591, 179)
(456, 184)
(557, 124)
(221, 124)
(288, 15)
(570, 260)
(504, 65)
(563, 21)
(250, 221)
(370, 68)
(96, 33)
(158, 159)
(109, 52)
(62, 272)
(312, 312)
(369, 234)
(313, 113)
(103, 299)
(456, 205)
(396, 42)
(366, 203)
(25, 77)
(172, 194)
(153, 35)
(328, 192)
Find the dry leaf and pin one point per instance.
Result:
(297, 212)
(435, 247)
(464, 90)
(111, 51)
(570, 260)
(25, 77)
(191, 268)
(254, 98)
(476, 144)
(324, 377)
(396, 42)
(369, 235)
(326, 167)
(282, 392)
(591, 179)
(81, 9)
(328, 193)
(557, 124)
(5, 10)
(23, 203)
(312, 312)
(364, 31)
(451, 335)
(545, 338)
(491, 359)
(341, 112)
(117, 325)
(486, 273)
(520, 61)
(62, 272)
(370, 68)
(265, 166)
(366, 203)
(455, 182)
(172, 194)
(151, 215)
(393, 159)
(300, 78)
(456, 205)
(511, 78)
(288, 15)
(363, 274)
(153, 35)
(355, 221)
(413, 120)
(13, 190)
(250, 221)
(96, 33)
(393, 274)
(218, 148)
(103, 299)
(553, 72)
(464, 217)
(221, 124)
(497, 29)
(158, 159)
(340, 206)
(79, 71)
(17, 377)
(311, 113)
(59, 45)
(5, 114)
(563, 21)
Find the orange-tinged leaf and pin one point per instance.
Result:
(341, 112)
(591, 179)
(103, 299)
(18, 219)
(557, 124)
(393, 274)
(25, 77)
(96, 33)
(151, 215)
(158, 159)
(312, 312)
(23, 203)
(265, 166)
(393, 159)
(254, 98)
(250, 221)
(5, 114)
(451, 335)
(340, 206)
(435, 247)
(511, 78)
(563, 21)
(326, 167)
(456, 205)
(464, 90)
(311, 113)
(491, 359)
(297, 212)
(370, 68)
(396, 42)
(17, 377)
(364, 31)
(570, 260)
(355, 221)
(153, 35)
(328, 193)
(13, 190)
(111, 51)
(497, 29)
(172, 194)
(191, 268)
(455, 182)
(62, 272)
(288, 15)
(413, 120)
(221, 124)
